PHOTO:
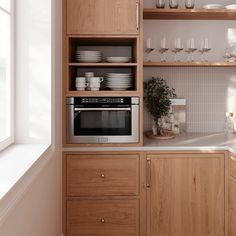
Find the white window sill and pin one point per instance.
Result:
(19, 166)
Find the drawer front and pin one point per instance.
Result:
(91, 175)
(103, 217)
(232, 224)
(233, 195)
(233, 166)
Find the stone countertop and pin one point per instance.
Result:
(182, 142)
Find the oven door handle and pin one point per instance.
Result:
(103, 109)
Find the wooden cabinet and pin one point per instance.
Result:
(101, 194)
(232, 196)
(102, 16)
(186, 194)
(103, 217)
(94, 175)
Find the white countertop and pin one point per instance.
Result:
(184, 141)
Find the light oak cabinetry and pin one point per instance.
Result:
(186, 194)
(102, 17)
(232, 196)
(103, 217)
(101, 194)
(90, 175)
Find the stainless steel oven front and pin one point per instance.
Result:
(102, 119)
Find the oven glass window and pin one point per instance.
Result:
(102, 123)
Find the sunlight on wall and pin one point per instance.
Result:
(33, 78)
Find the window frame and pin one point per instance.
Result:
(10, 140)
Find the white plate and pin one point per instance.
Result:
(89, 57)
(117, 84)
(119, 74)
(118, 59)
(231, 7)
(213, 6)
(88, 51)
(87, 61)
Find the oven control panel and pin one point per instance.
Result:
(92, 100)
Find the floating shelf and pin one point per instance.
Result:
(103, 64)
(189, 14)
(189, 64)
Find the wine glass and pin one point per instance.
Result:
(149, 48)
(189, 4)
(173, 3)
(178, 47)
(163, 49)
(160, 3)
(201, 50)
(191, 48)
(207, 48)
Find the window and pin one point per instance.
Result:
(6, 86)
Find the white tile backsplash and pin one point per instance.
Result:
(207, 91)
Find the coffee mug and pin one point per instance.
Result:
(95, 80)
(81, 84)
(94, 84)
(80, 79)
(89, 74)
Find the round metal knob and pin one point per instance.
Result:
(103, 220)
(102, 175)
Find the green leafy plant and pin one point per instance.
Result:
(157, 95)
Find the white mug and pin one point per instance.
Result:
(80, 84)
(89, 74)
(95, 79)
(94, 84)
(80, 79)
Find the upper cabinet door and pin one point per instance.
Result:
(103, 16)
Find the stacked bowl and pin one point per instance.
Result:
(88, 56)
(119, 81)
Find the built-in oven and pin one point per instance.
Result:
(102, 119)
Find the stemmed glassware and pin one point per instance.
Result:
(160, 3)
(191, 48)
(178, 47)
(149, 48)
(163, 49)
(204, 49)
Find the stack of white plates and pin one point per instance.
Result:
(119, 81)
(118, 59)
(88, 56)
(213, 6)
(231, 7)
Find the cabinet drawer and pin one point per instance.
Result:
(91, 175)
(232, 224)
(103, 217)
(233, 195)
(233, 166)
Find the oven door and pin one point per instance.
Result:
(103, 125)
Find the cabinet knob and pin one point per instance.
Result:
(103, 220)
(102, 175)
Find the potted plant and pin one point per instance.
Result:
(157, 95)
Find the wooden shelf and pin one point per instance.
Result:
(102, 93)
(189, 14)
(103, 64)
(189, 64)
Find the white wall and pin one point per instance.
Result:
(39, 212)
(209, 92)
